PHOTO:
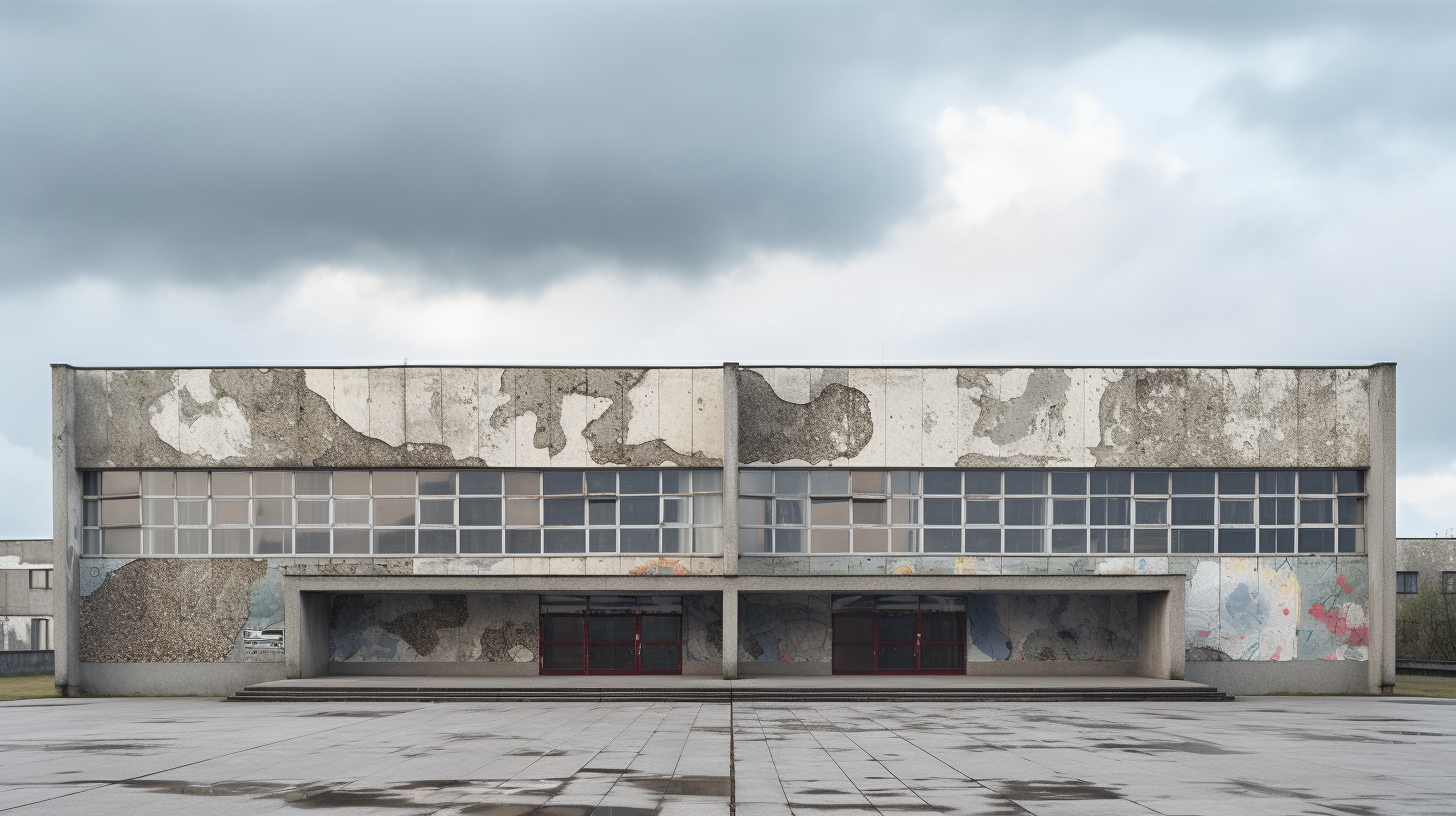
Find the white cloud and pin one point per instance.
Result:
(25, 483)
(1427, 502)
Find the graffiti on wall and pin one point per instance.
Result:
(1051, 627)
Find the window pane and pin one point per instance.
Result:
(273, 512)
(394, 513)
(829, 541)
(870, 540)
(1316, 511)
(394, 542)
(1192, 541)
(754, 541)
(788, 541)
(941, 482)
(394, 483)
(829, 482)
(602, 541)
(707, 481)
(870, 481)
(601, 482)
(311, 542)
(351, 483)
(192, 512)
(1069, 484)
(1193, 511)
(158, 542)
(1152, 512)
(791, 482)
(674, 510)
(983, 511)
(1025, 541)
(1111, 511)
(602, 511)
(272, 542)
(126, 483)
(639, 541)
(1352, 540)
(904, 540)
(1150, 483)
(1068, 511)
(350, 542)
(480, 512)
(523, 541)
(158, 483)
(564, 513)
(1316, 481)
(1276, 541)
(157, 512)
(192, 483)
(1150, 541)
(523, 483)
(829, 511)
(1352, 511)
(755, 481)
(272, 483)
(1111, 482)
(1236, 511)
(1317, 540)
(437, 511)
(755, 511)
(479, 541)
(674, 481)
(1351, 481)
(351, 511)
(1025, 512)
(1276, 511)
(983, 541)
(904, 482)
(707, 540)
(562, 483)
(983, 482)
(437, 542)
(230, 542)
(1276, 482)
(523, 512)
(565, 541)
(1236, 482)
(942, 511)
(638, 482)
(437, 483)
(229, 511)
(1236, 541)
(1025, 482)
(789, 511)
(480, 483)
(639, 510)
(904, 511)
(1111, 541)
(942, 541)
(1069, 541)
(708, 508)
(231, 483)
(192, 542)
(313, 483)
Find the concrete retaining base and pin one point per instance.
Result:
(1284, 676)
(175, 679)
(28, 661)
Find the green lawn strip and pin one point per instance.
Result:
(27, 687)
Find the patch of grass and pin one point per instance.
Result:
(27, 687)
(1411, 685)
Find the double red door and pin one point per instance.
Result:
(900, 640)
(630, 643)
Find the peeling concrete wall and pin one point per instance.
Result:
(443, 628)
(1051, 627)
(1055, 417)
(167, 610)
(399, 417)
(785, 628)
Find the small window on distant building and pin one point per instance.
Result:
(40, 579)
(1407, 583)
(1448, 583)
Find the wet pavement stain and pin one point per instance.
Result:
(1184, 747)
(687, 785)
(1039, 790)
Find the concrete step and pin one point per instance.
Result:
(721, 695)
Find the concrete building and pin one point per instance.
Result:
(1425, 586)
(216, 528)
(26, 581)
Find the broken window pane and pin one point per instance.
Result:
(830, 511)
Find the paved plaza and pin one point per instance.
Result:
(1257, 757)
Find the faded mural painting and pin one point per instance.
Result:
(444, 628)
(785, 627)
(1051, 627)
(1305, 608)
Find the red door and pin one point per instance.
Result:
(897, 635)
(635, 643)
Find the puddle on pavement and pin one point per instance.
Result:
(536, 752)
(687, 785)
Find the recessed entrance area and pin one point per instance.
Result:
(899, 634)
(611, 634)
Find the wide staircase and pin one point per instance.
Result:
(396, 692)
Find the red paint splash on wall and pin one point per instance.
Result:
(1335, 621)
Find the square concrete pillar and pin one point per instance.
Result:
(730, 634)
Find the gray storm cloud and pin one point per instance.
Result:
(507, 144)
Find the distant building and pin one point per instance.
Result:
(220, 527)
(26, 580)
(1426, 575)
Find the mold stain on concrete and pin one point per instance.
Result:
(420, 628)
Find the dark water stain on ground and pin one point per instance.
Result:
(1040, 790)
(687, 785)
(1247, 786)
(557, 810)
(536, 752)
(351, 714)
(134, 748)
(1184, 747)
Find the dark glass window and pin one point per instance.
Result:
(1150, 483)
(1316, 481)
(1237, 483)
(1317, 540)
(1276, 482)
(1236, 541)
(1111, 482)
(1026, 482)
(1111, 511)
(1407, 583)
(1025, 512)
(1193, 482)
(1069, 484)
(941, 483)
(985, 511)
(1193, 511)
(942, 511)
(983, 482)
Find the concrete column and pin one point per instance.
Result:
(730, 634)
(1160, 635)
(66, 531)
(1380, 529)
(313, 634)
(730, 469)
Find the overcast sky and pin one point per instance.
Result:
(297, 182)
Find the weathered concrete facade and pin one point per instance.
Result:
(1255, 621)
(26, 596)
